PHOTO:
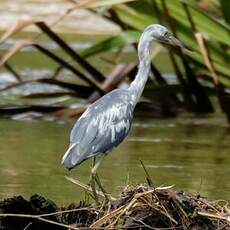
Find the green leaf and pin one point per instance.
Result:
(113, 43)
(215, 31)
(225, 7)
(133, 18)
(205, 23)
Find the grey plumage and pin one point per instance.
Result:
(101, 128)
(105, 124)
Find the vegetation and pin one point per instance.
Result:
(202, 25)
(140, 207)
(202, 76)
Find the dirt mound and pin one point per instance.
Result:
(140, 207)
(166, 208)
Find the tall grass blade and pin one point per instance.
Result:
(225, 6)
(114, 43)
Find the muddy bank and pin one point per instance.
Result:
(140, 207)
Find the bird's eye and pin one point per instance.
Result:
(166, 34)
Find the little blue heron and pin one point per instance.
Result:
(106, 122)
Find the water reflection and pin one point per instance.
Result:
(194, 157)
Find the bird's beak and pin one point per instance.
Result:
(177, 43)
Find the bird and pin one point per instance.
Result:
(107, 122)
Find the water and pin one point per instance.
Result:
(192, 153)
(79, 21)
(193, 156)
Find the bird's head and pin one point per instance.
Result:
(161, 34)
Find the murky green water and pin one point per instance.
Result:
(192, 154)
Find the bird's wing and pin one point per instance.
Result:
(102, 127)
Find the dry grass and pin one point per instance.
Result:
(139, 207)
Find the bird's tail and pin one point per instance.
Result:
(72, 157)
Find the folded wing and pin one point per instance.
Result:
(102, 127)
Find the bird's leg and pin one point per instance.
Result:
(94, 161)
(93, 184)
(97, 179)
(95, 166)
(93, 187)
(102, 189)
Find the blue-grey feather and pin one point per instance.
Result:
(105, 123)
(102, 127)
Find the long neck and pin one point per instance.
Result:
(137, 86)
